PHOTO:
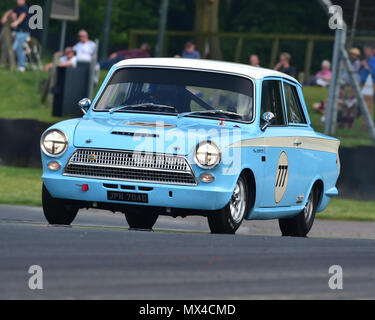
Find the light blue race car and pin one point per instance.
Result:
(184, 137)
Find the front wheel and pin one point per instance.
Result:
(57, 211)
(300, 225)
(140, 218)
(229, 219)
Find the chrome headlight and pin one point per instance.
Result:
(207, 155)
(54, 143)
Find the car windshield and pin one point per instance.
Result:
(178, 92)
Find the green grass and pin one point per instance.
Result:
(349, 137)
(20, 95)
(23, 187)
(20, 186)
(343, 209)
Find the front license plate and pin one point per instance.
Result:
(127, 196)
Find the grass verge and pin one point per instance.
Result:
(21, 186)
(345, 209)
(20, 95)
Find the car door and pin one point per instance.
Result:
(279, 167)
(300, 131)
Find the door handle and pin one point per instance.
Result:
(297, 143)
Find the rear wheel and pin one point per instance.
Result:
(141, 218)
(57, 211)
(229, 219)
(300, 225)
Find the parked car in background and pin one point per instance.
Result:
(184, 137)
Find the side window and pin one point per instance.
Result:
(293, 105)
(272, 101)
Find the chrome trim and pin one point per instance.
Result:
(149, 124)
(182, 166)
(127, 167)
(129, 180)
(84, 105)
(111, 158)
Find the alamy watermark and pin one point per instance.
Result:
(336, 281)
(36, 280)
(36, 17)
(336, 21)
(185, 141)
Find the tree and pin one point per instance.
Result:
(207, 21)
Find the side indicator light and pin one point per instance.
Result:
(53, 166)
(206, 177)
(85, 187)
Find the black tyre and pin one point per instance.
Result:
(140, 218)
(57, 211)
(300, 225)
(229, 219)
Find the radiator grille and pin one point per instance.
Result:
(130, 166)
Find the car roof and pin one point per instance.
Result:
(204, 64)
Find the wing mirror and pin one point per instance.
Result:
(84, 105)
(267, 117)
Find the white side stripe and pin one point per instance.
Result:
(317, 144)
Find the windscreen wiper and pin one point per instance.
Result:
(228, 114)
(142, 106)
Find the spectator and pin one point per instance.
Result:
(20, 23)
(367, 65)
(323, 77)
(347, 103)
(85, 48)
(354, 56)
(254, 60)
(325, 73)
(69, 59)
(285, 66)
(190, 52)
(367, 77)
(142, 52)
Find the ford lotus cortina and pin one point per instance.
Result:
(183, 137)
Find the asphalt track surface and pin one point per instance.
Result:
(98, 258)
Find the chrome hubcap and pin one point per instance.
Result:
(308, 211)
(237, 203)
